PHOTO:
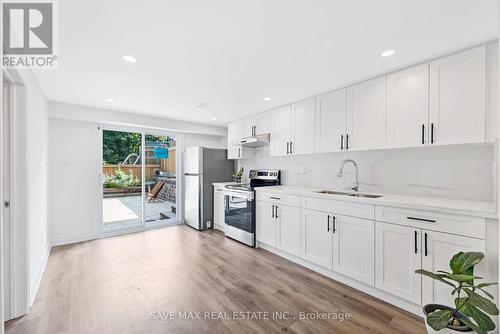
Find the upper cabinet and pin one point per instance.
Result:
(257, 125)
(331, 111)
(458, 98)
(281, 131)
(366, 111)
(303, 127)
(408, 107)
(234, 149)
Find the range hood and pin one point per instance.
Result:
(256, 141)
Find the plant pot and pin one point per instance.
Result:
(429, 308)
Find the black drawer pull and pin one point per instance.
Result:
(421, 219)
(272, 212)
(341, 142)
(334, 224)
(425, 241)
(275, 198)
(423, 134)
(416, 249)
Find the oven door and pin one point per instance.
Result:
(240, 216)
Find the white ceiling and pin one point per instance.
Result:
(233, 53)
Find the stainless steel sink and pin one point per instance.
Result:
(343, 193)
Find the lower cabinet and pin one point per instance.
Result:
(401, 250)
(288, 228)
(266, 223)
(219, 212)
(317, 246)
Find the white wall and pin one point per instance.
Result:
(464, 172)
(73, 164)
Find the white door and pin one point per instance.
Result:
(5, 188)
(267, 225)
(397, 256)
(288, 229)
(280, 134)
(249, 126)
(457, 97)
(436, 256)
(304, 127)
(331, 111)
(264, 123)
(366, 104)
(316, 235)
(408, 107)
(353, 248)
(219, 200)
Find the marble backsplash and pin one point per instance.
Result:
(461, 172)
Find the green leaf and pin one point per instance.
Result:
(482, 285)
(460, 302)
(481, 302)
(473, 326)
(490, 296)
(482, 320)
(460, 262)
(462, 277)
(438, 277)
(439, 319)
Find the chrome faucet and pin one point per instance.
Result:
(341, 170)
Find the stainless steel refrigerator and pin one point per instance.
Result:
(202, 167)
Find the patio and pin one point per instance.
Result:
(125, 211)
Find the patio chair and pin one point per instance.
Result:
(155, 192)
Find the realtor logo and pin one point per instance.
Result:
(28, 34)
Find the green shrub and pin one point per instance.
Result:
(121, 180)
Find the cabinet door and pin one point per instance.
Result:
(331, 110)
(408, 107)
(234, 132)
(266, 223)
(264, 123)
(354, 247)
(289, 229)
(316, 235)
(219, 198)
(304, 127)
(366, 115)
(397, 256)
(440, 249)
(249, 126)
(280, 134)
(457, 97)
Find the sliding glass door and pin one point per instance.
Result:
(139, 179)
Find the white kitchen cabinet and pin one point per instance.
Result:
(316, 235)
(303, 132)
(234, 149)
(366, 115)
(281, 131)
(408, 107)
(331, 111)
(397, 256)
(438, 249)
(219, 209)
(353, 248)
(288, 228)
(267, 225)
(457, 107)
(257, 124)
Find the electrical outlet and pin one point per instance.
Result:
(209, 223)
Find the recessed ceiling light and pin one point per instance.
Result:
(129, 59)
(213, 118)
(387, 53)
(110, 100)
(267, 99)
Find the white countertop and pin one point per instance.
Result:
(223, 183)
(455, 206)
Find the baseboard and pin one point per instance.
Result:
(368, 289)
(39, 275)
(71, 238)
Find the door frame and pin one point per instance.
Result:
(179, 139)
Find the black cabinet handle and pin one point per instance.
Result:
(276, 212)
(416, 249)
(272, 212)
(423, 134)
(341, 142)
(421, 219)
(334, 224)
(291, 143)
(346, 142)
(425, 244)
(432, 133)
(239, 153)
(287, 147)
(328, 223)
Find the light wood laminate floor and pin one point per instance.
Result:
(128, 284)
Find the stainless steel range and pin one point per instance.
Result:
(240, 205)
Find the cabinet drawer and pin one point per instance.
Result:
(456, 224)
(278, 198)
(339, 207)
(219, 188)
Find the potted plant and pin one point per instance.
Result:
(238, 175)
(471, 310)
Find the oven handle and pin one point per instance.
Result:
(241, 194)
